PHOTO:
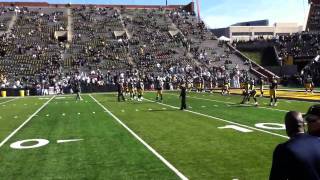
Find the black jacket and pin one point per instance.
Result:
(297, 159)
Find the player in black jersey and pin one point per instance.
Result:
(250, 91)
(140, 90)
(131, 88)
(226, 86)
(273, 92)
(261, 84)
(308, 84)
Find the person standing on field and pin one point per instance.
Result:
(183, 96)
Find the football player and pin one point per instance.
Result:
(140, 90)
(250, 91)
(273, 91)
(120, 92)
(159, 87)
(226, 86)
(261, 84)
(308, 84)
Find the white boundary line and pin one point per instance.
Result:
(226, 102)
(25, 122)
(223, 120)
(168, 164)
(8, 101)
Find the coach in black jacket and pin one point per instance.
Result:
(183, 96)
(299, 157)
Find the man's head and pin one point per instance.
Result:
(294, 123)
(313, 119)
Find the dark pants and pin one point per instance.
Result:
(183, 103)
(120, 96)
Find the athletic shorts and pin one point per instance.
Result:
(253, 93)
(308, 85)
(140, 91)
(242, 85)
(273, 92)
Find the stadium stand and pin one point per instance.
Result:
(313, 23)
(53, 45)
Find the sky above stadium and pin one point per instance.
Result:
(222, 13)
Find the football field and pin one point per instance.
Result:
(57, 137)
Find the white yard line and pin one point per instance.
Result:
(168, 164)
(69, 140)
(223, 120)
(25, 122)
(226, 102)
(8, 101)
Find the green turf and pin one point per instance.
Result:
(15, 112)
(108, 151)
(283, 104)
(255, 56)
(5, 100)
(195, 145)
(191, 142)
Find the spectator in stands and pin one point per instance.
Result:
(299, 157)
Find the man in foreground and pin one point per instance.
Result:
(299, 157)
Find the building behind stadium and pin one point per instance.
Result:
(245, 31)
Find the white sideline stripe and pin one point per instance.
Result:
(68, 140)
(226, 102)
(25, 122)
(223, 120)
(168, 164)
(8, 101)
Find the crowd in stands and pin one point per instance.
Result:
(108, 42)
(314, 18)
(301, 45)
